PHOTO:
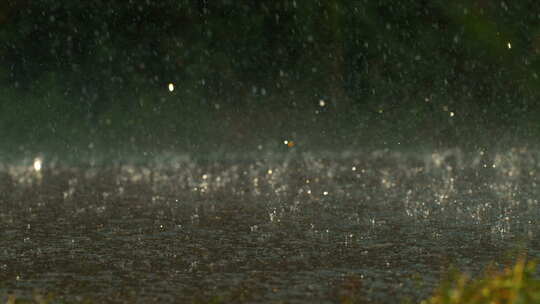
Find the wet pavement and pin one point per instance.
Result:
(378, 226)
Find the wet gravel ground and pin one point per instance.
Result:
(379, 227)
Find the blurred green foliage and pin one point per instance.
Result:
(517, 284)
(99, 70)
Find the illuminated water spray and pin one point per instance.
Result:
(38, 163)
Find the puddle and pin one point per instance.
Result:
(296, 228)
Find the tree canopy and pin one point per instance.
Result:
(103, 65)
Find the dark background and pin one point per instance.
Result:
(93, 75)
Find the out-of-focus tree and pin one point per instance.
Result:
(108, 63)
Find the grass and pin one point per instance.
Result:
(517, 284)
(512, 285)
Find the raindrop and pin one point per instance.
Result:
(38, 164)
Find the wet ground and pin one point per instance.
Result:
(375, 226)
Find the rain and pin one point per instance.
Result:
(285, 151)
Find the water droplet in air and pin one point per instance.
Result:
(38, 164)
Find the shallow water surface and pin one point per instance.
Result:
(295, 228)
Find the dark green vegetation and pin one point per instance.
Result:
(79, 74)
(517, 284)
